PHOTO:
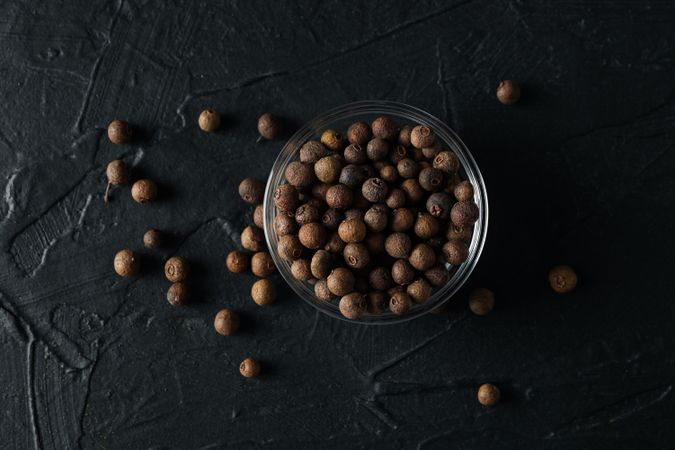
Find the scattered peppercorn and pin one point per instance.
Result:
(178, 294)
(455, 252)
(237, 262)
(508, 92)
(226, 322)
(422, 137)
(562, 279)
(432, 151)
(269, 126)
(176, 269)
(153, 238)
(117, 173)
(385, 128)
(258, 216)
(251, 190)
(488, 395)
(126, 263)
(312, 151)
(263, 292)
(354, 213)
(481, 301)
(262, 264)
(332, 139)
(209, 120)
(376, 217)
(332, 218)
(249, 368)
(253, 238)
(144, 191)
(120, 132)
(341, 281)
(399, 303)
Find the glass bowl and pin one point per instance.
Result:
(339, 119)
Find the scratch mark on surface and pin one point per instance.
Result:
(30, 387)
(378, 411)
(87, 392)
(9, 195)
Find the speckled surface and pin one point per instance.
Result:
(580, 172)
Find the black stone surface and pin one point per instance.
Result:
(581, 172)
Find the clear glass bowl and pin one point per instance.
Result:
(340, 119)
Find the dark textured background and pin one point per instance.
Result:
(580, 172)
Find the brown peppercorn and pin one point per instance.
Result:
(447, 162)
(399, 153)
(249, 368)
(375, 190)
(437, 275)
(353, 175)
(426, 226)
(321, 264)
(285, 224)
(375, 243)
(376, 217)
(355, 154)
(358, 133)
(321, 290)
(463, 191)
(176, 269)
(263, 292)
(380, 278)
(334, 244)
(455, 252)
(209, 120)
(356, 255)
(253, 238)
(299, 174)
(312, 151)
(402, 219)
(431, 179)
(153, 238)
(328, 169)
(389, 173)
(251, 190)
(413, 191)
(339, 197)
(376, 302)
(144, 191)
(421, 136)
(481, 301)
(312, 235)
(289, 247)
(237, 262)
(562, 279)
(439, 204)
(399, 303)
(120, 132)
(226, 322)
(407, 168)
(422, 257)
(258, 213)
(377, 149)
(352, 230)
(402, 272)
(460, 233)
(262, 264)
(385, 128)
(404, 136)
(353, 305)
(126, 263)
(354, 213)
(307, 213)
(178, 294)
(464, 214)
(300, 270)
(395, 289)
(319, 191)
(419, 291)
(431, 152)
(396, 198)
(117, 173)
(332, 139)
(488, 395)
(341, 281)
(332, 218)
(269, 126)
(398, 245)
(508, 92)
(286, 198)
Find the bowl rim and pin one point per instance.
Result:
(399, 111)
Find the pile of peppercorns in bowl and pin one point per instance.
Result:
(375, 212)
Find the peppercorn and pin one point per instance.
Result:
(375, 190)
(307, 213)
(153, 238)
(285, 198)
(251, 190)
(481, 301)
(375, 243)
(341, 281)
(488, 395)
(144, 191)
(385, 128)
(353, 175)
(299, 174)
(209, 120)
(398, 245)
(431, 179)
(312, 235)
(253, 238)
(464, 214)
(358, 133)
(263, 292)
(463, 191)
(237, 262)
(289, 247)
(455, 252)
(376, 217)
(178, 294)
(407, 168)
(399, 153)
(355, 154)
(447, 162)
(562, 279)
(422, 257)
(395, 290)
(354, 213)
(404, 135)
(332, 218)
(352, 230)
(335, 244)
(399, 303)
(117, 173)
(439, 204)
(419, 291)
(389, 173)
(226, 322)
(426, 226)
(300, 270)
(120, 132)
(402, 219)
(352, 305)
(421, 136)
(332, 139)
(402, 272)
(319, 191)
(285, 224)
(432, 151)
(356, 255)
(262, 264)
(460, 233)
(269, 126)
(126, 263)
(508, 92)
(377, 149)
(413, 191)
(176, 269)
(321, 264)
(321, 291)
(249, 368)
(395, 198)
(328, 169)
(380, 278)
(437, 275)
(312, 151)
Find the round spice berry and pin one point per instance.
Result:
(464, 214)
(332, 140)
(402, 272)
(328, 169)
(289, 247)
(419, 291)
(356, 255)
(459, 233)
(395, 198)
(407, 168)
(321, 264)
(508, 92)
(389, 173)
(562, 279)
(353, 175)
(126, 263)
(402, 219)
(398, 245)
(299, 174)
(377, 149)
(176, 269)
(439, 204)
(341, 281)
(354, 213)
(404, 136)
(399, 153)
(447, 162)
(119, 132)
(355, 154)
(226, 322)
(375, 190)
(321, 290)
(376, 217)
(178, 294)
(385, 128)
(334, 244)
(269, 126)
(300, 270)
(353, 305)
(376, 302)
(437, 276)
(153, 238)
(426, 226)
(352, 230)
(312, 151)
(253, 238)
(209, 120)
(488, 395)
(358, 133)
(237, 262)
(263, 292)
(319, 191)
(312, 235)
(249, 368)
(481, 301)
(286, 198)
(285, 224)
(431, 179)
(399, 303)
(422, 257)
(375, 243)
(455, 252)
(332, 218)
(307, 213)
(262, 264)
(251, 190)
(413, 191)
(117, 173)
(144, 191)
(463, 191)
(380, 278)
(339, 197)
(421, 136)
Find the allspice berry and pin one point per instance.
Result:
(413, 191)
(426, 226)
(375, 190)
(463, 191)
(312, 235)
(419, 291)
(258, 213)
(120, 132)
(355, 154)
(481, 301)
(262, 264)
(209, 120)
(353, 305)
(402, 272)
(459, 233)
(439, 204)
(289, 247)
(237, 262)
(253, 238)
(437, 276)
(252, 191)
(402, 219)
(334, 244)
(321, 290)
(395, 198)
(319, 191)
(358, 133)
(321, 264)
(352, 230)
(377, 149)
(285, 224)
(226, 322)
(508, 92)
(422, 137)
(249, 368)
(399, 303)
(307, 213)
(431, 179)
(300, 270)
(447, 162)
(422, 257)
(380, 278)
(384, 127)
(464, 214)
(332, 218)
(286, 198)
(126, 263)
(328, 169)
(399, 153)
(404, 135)
(117, 173)
(562, 279)
(408, 168)
(356, 255)
(455, 252)
(332, 140)
(488, 395)
(176, 269)
(312, 151)
(341, 281)
(153, 238)
(269, 126)
(299, 174)
(144, 191)
(263, 292)
(398, 245)
(353, 175)
(339, 197)
(376, 217)
(178, 294)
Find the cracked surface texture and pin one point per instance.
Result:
(580, 173)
